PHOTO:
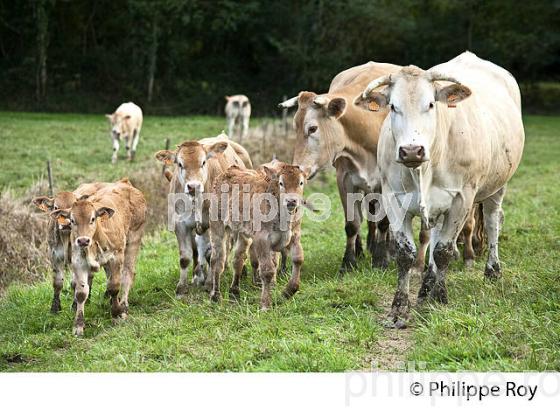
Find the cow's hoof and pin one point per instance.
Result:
(181, 290)
(400, 309)
(117, 310)
(492, 272)
(439, 293)
(55, 306)
(290, 291)
(469, 263)
(379, 263)
(234, 293)
(215, 296)
(347, 266)
(95, 266)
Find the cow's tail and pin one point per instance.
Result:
(479, 234)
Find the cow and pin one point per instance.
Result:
(329, 130)
(110, 224)
(58, 235)
(238, 111)
(265, 223)
(126, 122)
(454, 137)
(197, 165)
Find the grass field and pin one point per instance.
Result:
(332, 324)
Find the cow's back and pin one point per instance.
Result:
(486, 130)
(135, 112)
(362, 127)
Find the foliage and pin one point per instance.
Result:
(194, 52)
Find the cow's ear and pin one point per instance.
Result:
(270, 173)
(227, 97)
(452, 94)
(336, 107)
(61, 216)
(104, 213)
(166, 156)
(216, 148)
(44, 203)
(109, 117)
(373, 102)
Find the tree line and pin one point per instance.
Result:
(183, 56)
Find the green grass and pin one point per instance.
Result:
(332, 324)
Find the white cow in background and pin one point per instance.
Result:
(238, 111)
(126, 123)
(454, 136)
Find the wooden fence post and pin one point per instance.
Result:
(285, 118)
(167, 142)
(49, 173)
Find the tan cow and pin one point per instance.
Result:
(454, 137)
(197, 165)
(58, 235)
(126, 122)
(259, 208)
(330, 130)
(110, 224)
(238, 112)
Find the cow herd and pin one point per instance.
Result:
(439, 145)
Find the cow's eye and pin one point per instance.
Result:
(92, 220)
(393, 108)
(431, 105)
(180, 165)
(311, 130)
(72, 221)
(55, 207)
(203, 163)
(281, 183)
(300, 183)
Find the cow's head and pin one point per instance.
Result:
(83, 219)
(119, 124)
(412, 95)
(318, 129)
(191, 160)
(291, 182)
(62, 200)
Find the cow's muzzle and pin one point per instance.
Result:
(83, 241)
(412, 156)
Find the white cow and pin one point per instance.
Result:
(238, 111)
(126, 122)
(449, 151)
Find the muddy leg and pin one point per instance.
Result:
(297, 261)
(58, 282)
(492, 209)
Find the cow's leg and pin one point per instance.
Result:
(254, 265)
(429, 275)
(372, 228)
(468, 230)
(493, 218)
(230, 125)
(266, 267)
(81, 293)
(218, 260)
(241, 246)
(244, 127)
(57, 261)
(183, 234)
(352, 216)
(135, 139)
(128, 140)
(420, 263)
(115, 149)
(297, 261)
(406, 253)
(133, 244)
(202, 250)
(283, 261)
(444, 249)
(113, 287)
(380, 255)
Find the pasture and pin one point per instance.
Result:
(333, 324)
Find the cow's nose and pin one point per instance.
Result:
(192, 187)
(412, 155)
(291, 204)
(83, 241)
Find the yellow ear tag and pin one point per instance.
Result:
(373, 106)
(168, 161)
(61, 220)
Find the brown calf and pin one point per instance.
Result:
(58, 235)
(110, 224)
(284, 187)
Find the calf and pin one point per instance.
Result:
(110, 224)
(238, 111)
(244, 213)
(126, 122)
(58, 235)
(197, 165)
